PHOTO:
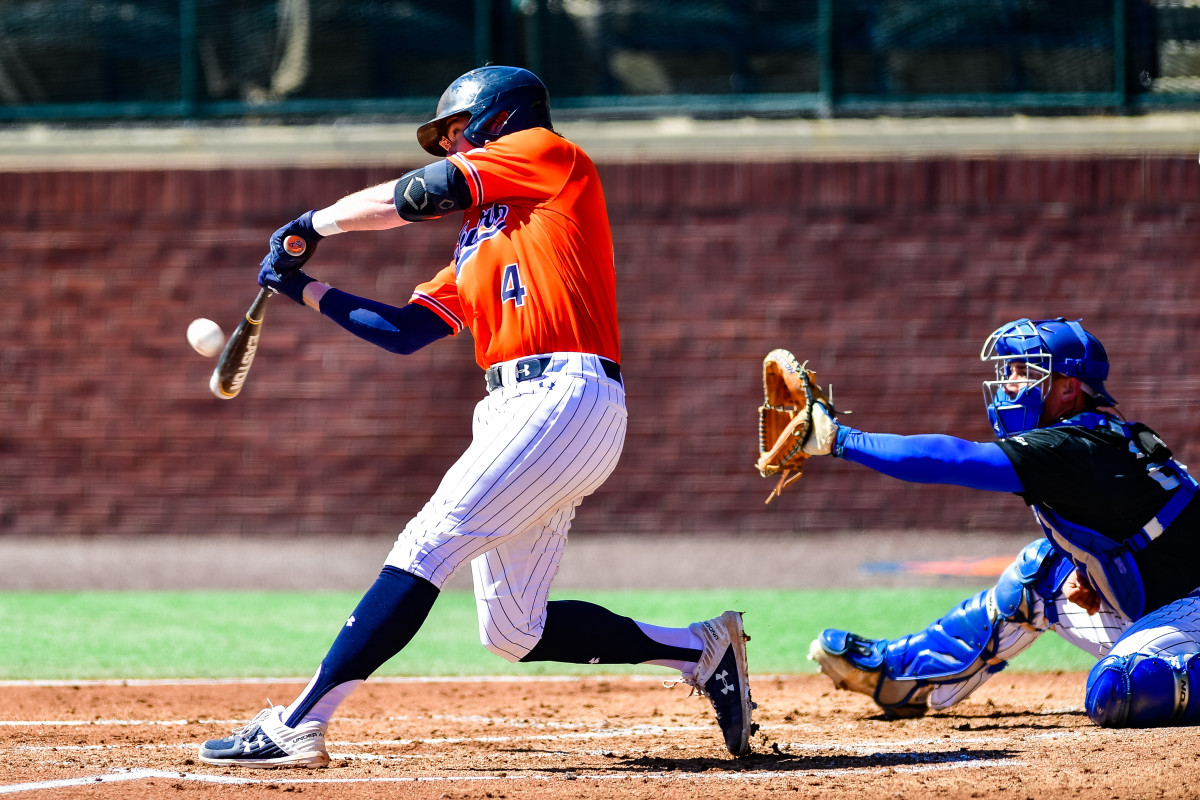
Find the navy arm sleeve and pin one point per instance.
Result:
(401, 330)
(931, 458)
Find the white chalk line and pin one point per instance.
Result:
(871, 747)
(375, 679)
(146, 774)
(608, 733)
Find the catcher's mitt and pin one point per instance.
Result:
(785, 419)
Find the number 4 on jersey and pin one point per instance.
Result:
(511, 287)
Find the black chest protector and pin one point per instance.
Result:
(1109, 564)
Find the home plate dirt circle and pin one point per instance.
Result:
(1020, 736)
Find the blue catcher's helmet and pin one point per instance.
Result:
(1025, 353)
(500, 100)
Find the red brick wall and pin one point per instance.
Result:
(887, 274)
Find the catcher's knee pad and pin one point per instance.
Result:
(1038, 572)
(1139, 691)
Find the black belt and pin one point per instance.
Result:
(530, 368)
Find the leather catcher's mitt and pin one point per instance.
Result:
(785, 419)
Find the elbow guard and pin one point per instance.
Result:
(431, 192)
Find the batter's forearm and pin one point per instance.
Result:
(402, 330)
(371, 209)
(313, 294)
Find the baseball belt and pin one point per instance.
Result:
(530, 368)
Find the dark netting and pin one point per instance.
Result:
(79, 51)
(241, 56)
(1173, 47)
(681, 47)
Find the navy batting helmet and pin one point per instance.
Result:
(1042, 347)
(500, 100)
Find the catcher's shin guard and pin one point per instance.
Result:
(855, 663)
(940, 665)
(900, 674)
(1141, 691)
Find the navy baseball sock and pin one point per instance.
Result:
(584, 633)
(385, 620)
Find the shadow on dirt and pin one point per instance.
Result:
(780, 761)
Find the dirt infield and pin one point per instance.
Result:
(1020, 736)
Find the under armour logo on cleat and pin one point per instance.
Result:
(723, 675)
(350, 622)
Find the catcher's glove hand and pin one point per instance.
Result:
(795, 420)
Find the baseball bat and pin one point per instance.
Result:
(234, 364)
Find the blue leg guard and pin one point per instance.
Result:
(1140, 691)
(900, 674)
(966, 641)
(954, 648)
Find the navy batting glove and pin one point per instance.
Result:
(293, 244)
(289, 284)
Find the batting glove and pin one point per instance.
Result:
(289, 284)
(293, 244)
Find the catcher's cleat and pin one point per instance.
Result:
(266, 741)
(855, 663)
(722, 677)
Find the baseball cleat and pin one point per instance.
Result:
(266, 742)
(722, 677)
(855, 663)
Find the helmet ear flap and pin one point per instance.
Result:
(496, 124)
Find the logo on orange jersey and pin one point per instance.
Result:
(489, 224)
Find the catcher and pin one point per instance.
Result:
(1116, 574)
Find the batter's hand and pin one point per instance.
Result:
(1080, 592)
(292, 245)
(289, 284)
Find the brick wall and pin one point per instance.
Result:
(887, 274)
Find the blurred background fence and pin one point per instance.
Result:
(84, 59)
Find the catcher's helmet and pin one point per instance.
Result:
(1042, 346)
(500, 100)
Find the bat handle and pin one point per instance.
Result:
(254, 314)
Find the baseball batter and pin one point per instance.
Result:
(532, 278)
(1116, 574)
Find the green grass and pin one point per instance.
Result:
(87, 635)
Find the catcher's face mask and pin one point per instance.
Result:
(1023, 368)
(1024, 354)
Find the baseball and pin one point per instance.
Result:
(205, 337)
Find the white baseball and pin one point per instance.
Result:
(206, 337)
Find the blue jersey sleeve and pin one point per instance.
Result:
(931, 458)
(403, 330)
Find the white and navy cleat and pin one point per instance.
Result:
(721, 675)
(267, 742)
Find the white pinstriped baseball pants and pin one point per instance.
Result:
(539, 447)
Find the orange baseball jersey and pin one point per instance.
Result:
(533, 269)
